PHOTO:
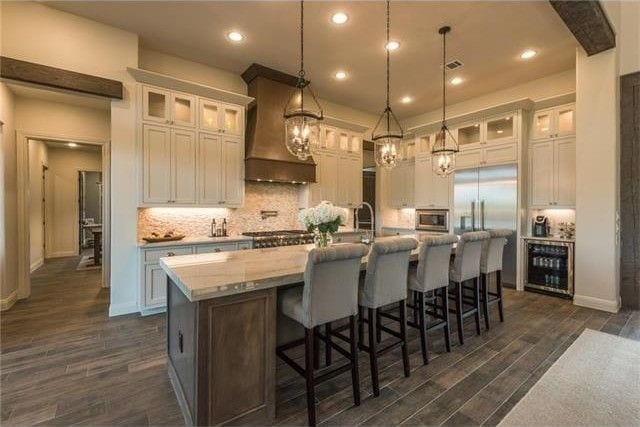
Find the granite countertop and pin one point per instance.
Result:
(211, 275)
(199, 240)
(549, 239)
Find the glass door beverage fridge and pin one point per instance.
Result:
(549, 266)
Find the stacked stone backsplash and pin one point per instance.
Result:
(195, 222)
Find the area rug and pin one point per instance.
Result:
(86, 263)
(596, 382)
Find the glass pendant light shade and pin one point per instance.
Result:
(388, 152)
(445, 147)
(302, 113)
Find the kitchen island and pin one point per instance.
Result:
(221, 333)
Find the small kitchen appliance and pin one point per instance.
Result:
(540, 227)
(436, 220)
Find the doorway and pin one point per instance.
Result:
(90, 217)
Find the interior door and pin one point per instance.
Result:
(465, 197)
(498, 209)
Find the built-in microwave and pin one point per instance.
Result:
(432, 220)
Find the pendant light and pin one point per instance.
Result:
(302, 112)
(387, 134)
(445, 146)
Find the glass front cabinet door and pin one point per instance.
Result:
(469, 135)
(565, 120)
(500, 129)
(542, 124)
(156, 105)
(183, 110)
(220, 118)
(232, 117)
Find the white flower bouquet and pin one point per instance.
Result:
(323, 219)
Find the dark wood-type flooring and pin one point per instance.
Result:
(64, 361)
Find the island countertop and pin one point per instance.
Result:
(212, 275)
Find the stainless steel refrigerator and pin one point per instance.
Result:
(487, 198)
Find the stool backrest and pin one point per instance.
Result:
(491, 257)
(433, 262)
(387, 269)
(331, 280)
(467, 263)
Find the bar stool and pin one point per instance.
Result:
(466, 267)
(491, 262)
(385, 284)
(432, 275)
(330, 293)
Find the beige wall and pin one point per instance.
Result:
(625, 18)
(38, 157)
(62, 197)
(8, 201)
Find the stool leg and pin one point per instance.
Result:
(316, 348)
(378, 323)
(499, 292)
(476, 300)
(355, 374)
(445, 309)
(403, 335)
(415, 306)
(423, 328)
(373, 354)
(309, 338)
(360, 326)
(458, 298)
(484, 288)
(327, 344)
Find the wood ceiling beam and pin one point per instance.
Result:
(588, 22)
(29, 72)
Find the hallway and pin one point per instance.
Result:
(65, 362)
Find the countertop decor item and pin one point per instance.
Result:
(301, 121)
(387, 134)
(156, 239)
(324, 220)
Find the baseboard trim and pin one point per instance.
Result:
(597, 303)
(122, 309)
(7, 303)
(36, 265)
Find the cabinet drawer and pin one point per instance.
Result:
(219, 247)
(498, 154)
(155, 254)
(468, 159)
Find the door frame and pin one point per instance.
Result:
(78, 236)
(22, 148)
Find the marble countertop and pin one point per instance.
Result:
(198, 240)
(205, 276)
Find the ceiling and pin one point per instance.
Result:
(486, 36)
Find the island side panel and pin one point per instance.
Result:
(236, 358)
(181, 349)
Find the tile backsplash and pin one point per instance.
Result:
(194, 222)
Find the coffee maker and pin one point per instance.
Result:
(540, 226)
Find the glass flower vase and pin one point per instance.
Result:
(322, 239)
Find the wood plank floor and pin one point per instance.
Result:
(64, 361)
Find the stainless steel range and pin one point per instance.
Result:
(272, 239)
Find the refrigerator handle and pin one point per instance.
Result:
(482, 215)
(473, 216)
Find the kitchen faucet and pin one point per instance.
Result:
(371, 233)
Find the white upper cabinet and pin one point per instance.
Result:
(554, 122)
(552, 166)
(196, 158)
(349, 183)
(400, 185)
(431, 190)
(501, 129)
(423, 144)
(221, 118)
(470, 135)
(171, 108)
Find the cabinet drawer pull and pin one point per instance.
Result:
(180, 342)
(217, 250)
(171, 254)
(222, 202)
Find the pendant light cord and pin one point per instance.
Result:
(388, 66)
(301, 72)
(444, 78)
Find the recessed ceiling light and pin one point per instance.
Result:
(235, 36)
(393, 45)
(406, 99)
(341, 75)
(456, 80)
(339, 18)
(72, 144)
(528, 54)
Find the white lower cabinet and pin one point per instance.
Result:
(552, 174)
(431, 190)
(153, 279)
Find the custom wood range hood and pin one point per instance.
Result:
(266, 156)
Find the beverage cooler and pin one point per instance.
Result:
(549, 266)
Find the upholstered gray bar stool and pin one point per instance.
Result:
(385, 284)
(330, 293)
(466, 267)
(491, 262)
(432, 277)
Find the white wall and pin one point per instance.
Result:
(625, 18)
(62, 197)
(38, 157)
(8, 201)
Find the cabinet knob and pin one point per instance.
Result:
(222, 202)
(171, 254)
(217, 250)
